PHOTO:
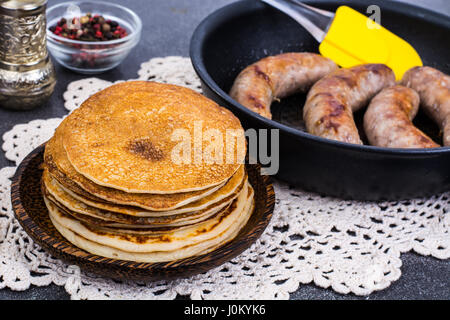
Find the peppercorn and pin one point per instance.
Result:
(106, 27)
(84, 19)
(62, 21)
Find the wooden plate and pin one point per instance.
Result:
(32, 214)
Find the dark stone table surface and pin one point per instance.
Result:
(167, 27)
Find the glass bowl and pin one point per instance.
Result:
(90, 57)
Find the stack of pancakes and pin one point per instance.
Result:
(112, 187)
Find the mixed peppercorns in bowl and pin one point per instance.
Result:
(91, 37)
(88, 28)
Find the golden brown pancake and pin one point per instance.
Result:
(137, 204)
(226, 193)
(122, 138)
(57, 163)
(155, 256)
(122, 228)
(170, 241)
(53, 191)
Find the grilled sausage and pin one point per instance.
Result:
(274, 77)
(329, 107)
(388, 120)
(433, 87)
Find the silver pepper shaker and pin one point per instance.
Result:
(27, 75)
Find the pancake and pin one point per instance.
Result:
(52, 190)
(156, 256)
(223, 194)
(121, 228)
(193, 209)
(116, 220)
(122, 138)
(57, 163)
(170, 241)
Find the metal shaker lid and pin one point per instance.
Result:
(22, 4)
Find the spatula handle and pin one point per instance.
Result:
(315, 21)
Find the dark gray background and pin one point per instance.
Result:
(167, 27)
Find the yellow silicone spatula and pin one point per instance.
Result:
(350, 38)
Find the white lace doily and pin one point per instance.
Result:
(346, 245)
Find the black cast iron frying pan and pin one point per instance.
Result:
(241, 33)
